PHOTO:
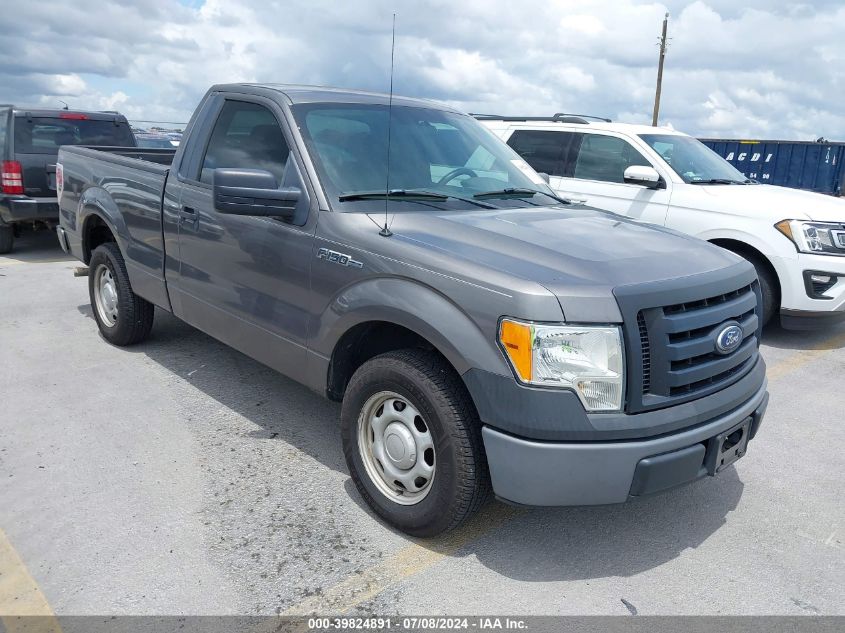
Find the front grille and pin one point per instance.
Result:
(674, 345)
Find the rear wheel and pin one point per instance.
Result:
(412, 441)
(123, 317)
(7, 238)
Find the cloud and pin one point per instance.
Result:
(754, 68)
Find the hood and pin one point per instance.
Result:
(579, 254)
(768, 201)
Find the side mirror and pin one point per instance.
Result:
(544, 176)
(253, 192)
(643, 175)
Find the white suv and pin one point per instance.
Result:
(795, 239)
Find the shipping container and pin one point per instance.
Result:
(800, 165)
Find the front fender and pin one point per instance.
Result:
(770, 245)
(417, 307)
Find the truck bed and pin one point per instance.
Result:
(125, 187)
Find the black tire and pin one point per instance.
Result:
(134, 315)
(461, 483)
(7, 239)
(769, 288)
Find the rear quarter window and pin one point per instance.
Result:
(45, 135)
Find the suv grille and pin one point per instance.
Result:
(673, 346)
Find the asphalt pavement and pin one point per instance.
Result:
(181, 477)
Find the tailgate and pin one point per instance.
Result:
(39, 174)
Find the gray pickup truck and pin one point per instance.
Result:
(394, 255)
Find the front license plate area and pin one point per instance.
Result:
(727, 447)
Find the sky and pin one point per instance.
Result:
(734, 68)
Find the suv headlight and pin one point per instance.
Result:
(826, 238)
(585, 358)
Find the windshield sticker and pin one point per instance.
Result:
(526, 169)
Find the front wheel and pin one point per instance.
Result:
(769, 288)
(123, 317)
(412, 441)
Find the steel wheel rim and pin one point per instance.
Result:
(397, 448)
(105, 295)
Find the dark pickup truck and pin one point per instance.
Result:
(393, 254)
(29, 144)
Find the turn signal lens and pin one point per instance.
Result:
(516, 339)
(785, 227)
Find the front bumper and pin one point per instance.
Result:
(799, 310)
(539, 473)
(24, 209)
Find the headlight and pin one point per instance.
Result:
(585, 358)
(826, 238)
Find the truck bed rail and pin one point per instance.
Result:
(153, 155)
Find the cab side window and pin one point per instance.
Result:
(606, 158)
(545, 151)
(246, 136)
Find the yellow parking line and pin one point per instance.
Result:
(408, 561)
(20, 596)
(804, 357)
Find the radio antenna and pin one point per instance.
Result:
(385, 231)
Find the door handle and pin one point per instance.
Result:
(189, 218)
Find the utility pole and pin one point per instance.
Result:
(660, 71)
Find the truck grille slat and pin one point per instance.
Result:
(673, 346)
(690, 371)
(709, 314)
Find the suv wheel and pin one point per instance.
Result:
(123, 317)
(768, 287)
(412, 441)
(7, 239)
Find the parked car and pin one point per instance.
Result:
(175, 138)
(29, 141)
(477, 328)
(157, 141)
(795, 239)
(815, 166)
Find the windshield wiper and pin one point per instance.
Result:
(517, 192)
(393, 193)
(720, 181)
(409, 195)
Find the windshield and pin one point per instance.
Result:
(44, 135)
(692, 160)
(431, 151)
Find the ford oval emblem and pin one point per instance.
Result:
(728, 339)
